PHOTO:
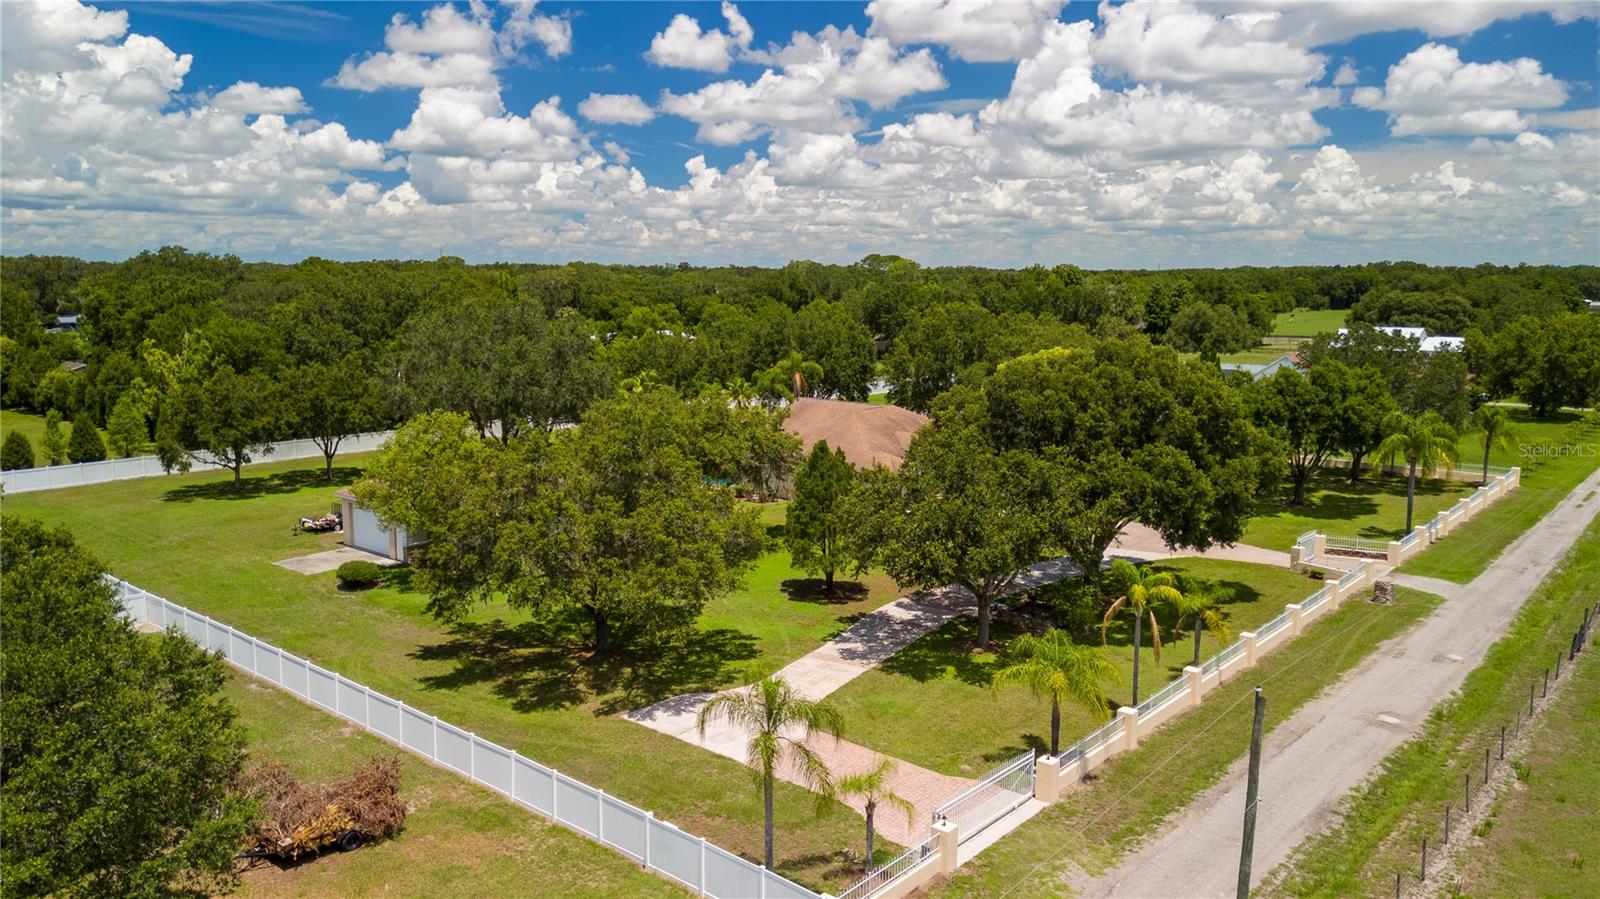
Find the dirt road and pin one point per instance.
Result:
(1332, 743)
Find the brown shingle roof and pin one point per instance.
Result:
(866, 432)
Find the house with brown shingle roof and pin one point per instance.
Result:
(868, 433)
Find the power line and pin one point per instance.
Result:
(1180, 751)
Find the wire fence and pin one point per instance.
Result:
(55, 477)
(637, 834)
(1494, 759)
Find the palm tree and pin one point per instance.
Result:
(1494, 423)
(872, 786)
(1201, 603)
(778, 721)
(1425, 440)
(1142, 591)
(1055, 668)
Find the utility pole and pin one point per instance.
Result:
(1247, 849)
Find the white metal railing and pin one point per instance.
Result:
(1102, 734)
(1315, 599)
(990, 799)
(1308, 545)
(891, 871)
(1408, 539)
(1353, 575)
(635, 833)
(1272, 626)
(54, 477)
(1226, 654)
(1161, 697)
(1356, 544)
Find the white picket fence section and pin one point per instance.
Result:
(55, 477)
(654, 844)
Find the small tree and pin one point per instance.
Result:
(1055, 668)
(55, 442)
(16, 452)
(127, 427)
(778, 722)
(1142, 591)
(816, 526)
(1494, 424)
(85, 444)
(872, 788)
(331, 402)
(1425, 441)
(1200, 603)
(225, 421)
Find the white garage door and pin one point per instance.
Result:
(369, 534)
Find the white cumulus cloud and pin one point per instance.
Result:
(616, 109)
(1431, 91)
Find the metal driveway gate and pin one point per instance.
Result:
(990, 799)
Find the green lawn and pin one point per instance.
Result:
(1256, 355)
(1373, 507)
(1541, 841)
(32, 427)
(459, 838)
(1383, 822)
(1547, 476)
(931, 703)
(530, 687)
(1096, 823)
(1308, 322)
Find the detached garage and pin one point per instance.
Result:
(363, 530)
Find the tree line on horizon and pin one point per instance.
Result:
(205, 356)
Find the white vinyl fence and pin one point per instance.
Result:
(54, 477)
(656, 845)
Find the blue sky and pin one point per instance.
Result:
(1152, 134)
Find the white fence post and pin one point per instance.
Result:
(649, 830)
(702, 866)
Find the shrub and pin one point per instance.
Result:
(358, 573)
(16, 452)
(85, 444)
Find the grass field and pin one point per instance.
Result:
(1383, 822)
(1541, 839)
(1547, 475)
(32, 427)
(1308, 322)
(931, 704)
(1256, 355)
(1096, 823)
(459, 838)
(191, 539)
(1373, 507)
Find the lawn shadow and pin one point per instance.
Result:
(947, 652)
(263, 485)
(814, 590)
(538, 666)
(1038, 744)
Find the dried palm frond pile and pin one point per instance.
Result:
(298, 819)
